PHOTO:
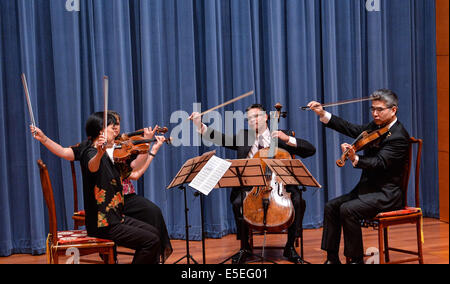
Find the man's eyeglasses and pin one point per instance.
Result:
(256, 116)
(378, 109)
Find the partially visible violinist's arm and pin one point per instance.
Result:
(141, 160)
(55, 148)
(138, 172)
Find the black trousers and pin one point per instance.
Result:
(144, 210)
(294, 230)
(136, 235)
(345, 212)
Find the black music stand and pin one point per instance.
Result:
(293, 172)
(243, 173)
(185, 175)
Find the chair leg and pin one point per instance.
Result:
(381, 244)
(299, 242)
(55, 258)
(111, 256)
(386, 245)
(419, 240)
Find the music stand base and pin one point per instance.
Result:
(241, 255)
(188, 257)
(186, 210)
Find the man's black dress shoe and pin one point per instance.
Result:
(331, 262)
(357, 261)
(291, 254)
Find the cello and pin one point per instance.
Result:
(270, 208)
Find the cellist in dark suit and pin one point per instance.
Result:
(247, 143)
(379, 188)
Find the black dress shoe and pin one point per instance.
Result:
(358, 260)
(291, 254)
(331, 262)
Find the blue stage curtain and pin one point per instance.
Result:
(163, 56)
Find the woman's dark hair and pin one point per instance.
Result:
(94, 124)
(116, 114)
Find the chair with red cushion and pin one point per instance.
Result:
(59, 242)
(406, 215)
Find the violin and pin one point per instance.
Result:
(135, 145)
(270, 208)
(362, 141)
(126, 136)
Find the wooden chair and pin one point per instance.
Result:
(407, 215)
(59, 242)
(251, 232)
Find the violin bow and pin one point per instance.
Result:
(370, 98)
(105, 104)
(228, 102)
(30, 108)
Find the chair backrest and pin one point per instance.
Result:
(74, 182)
(47, 191)
(293, 135)
(407, 171)
(75, 187)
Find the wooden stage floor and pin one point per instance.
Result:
(435, 248)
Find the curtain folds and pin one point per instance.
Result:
(167, 58)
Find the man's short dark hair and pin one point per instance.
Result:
(258, 106)
(387, 96)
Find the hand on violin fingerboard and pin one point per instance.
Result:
(159, 142)
(149, 132)
(350, 150)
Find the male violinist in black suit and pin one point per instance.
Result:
(379, 188)
(247, 143)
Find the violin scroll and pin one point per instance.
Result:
(341, 162)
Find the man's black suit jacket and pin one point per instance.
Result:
(244, 140)
(382, 164)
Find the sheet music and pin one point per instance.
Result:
(210, 175)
